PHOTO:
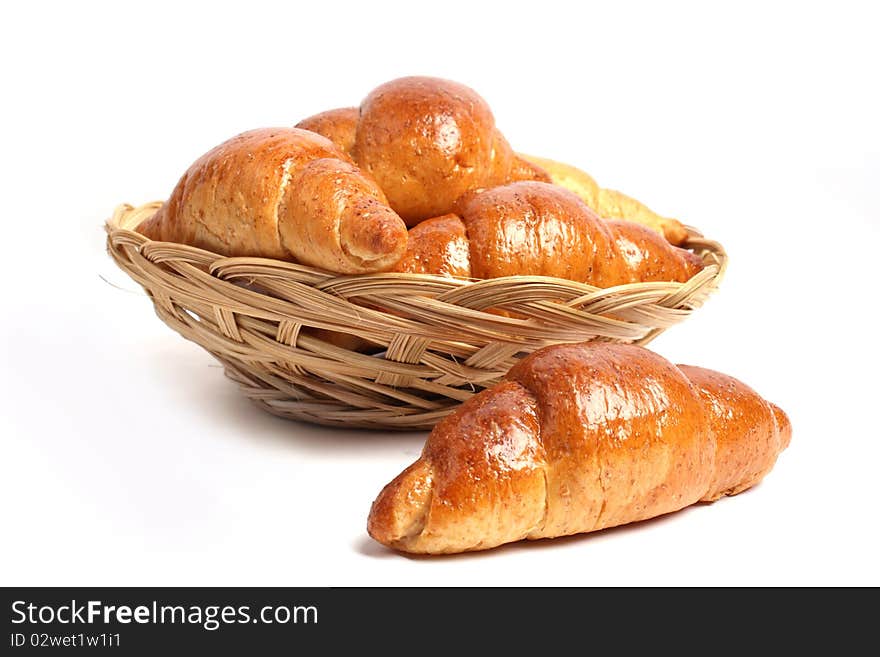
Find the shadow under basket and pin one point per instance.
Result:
(408, 348)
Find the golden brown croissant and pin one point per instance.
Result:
(438, 246)
(426, 141)
(536, 228)
(337, 125)
(283, 193)
(578, 438)
(609, 203)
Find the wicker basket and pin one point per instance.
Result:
(439, 345)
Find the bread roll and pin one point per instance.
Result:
(426, 141)
(282, 193)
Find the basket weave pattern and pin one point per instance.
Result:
(436, 343)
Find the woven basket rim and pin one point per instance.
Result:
(437, 340)
(127, 217)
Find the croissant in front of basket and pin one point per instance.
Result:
(578, 438)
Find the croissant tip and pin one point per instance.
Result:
(374, 234)
(675, 232)
(391, 237)
(399, 513)
(783, 425)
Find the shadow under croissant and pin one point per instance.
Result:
(370, 548)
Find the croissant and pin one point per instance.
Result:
(578, 438)
(283, 193)
(437, 246)
(536, 228)
(337, 125)
(426, 142)
(609, 203)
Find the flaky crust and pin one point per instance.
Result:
(282, 193)
(540, 229)
(578, 438)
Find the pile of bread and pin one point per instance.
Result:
(418, 179)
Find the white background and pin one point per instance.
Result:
(128, 458)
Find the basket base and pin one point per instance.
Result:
(442, 339)
(299, 403)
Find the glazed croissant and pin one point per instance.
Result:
(535, 228)
(283, 193)
(578, 438)
(426, 142)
